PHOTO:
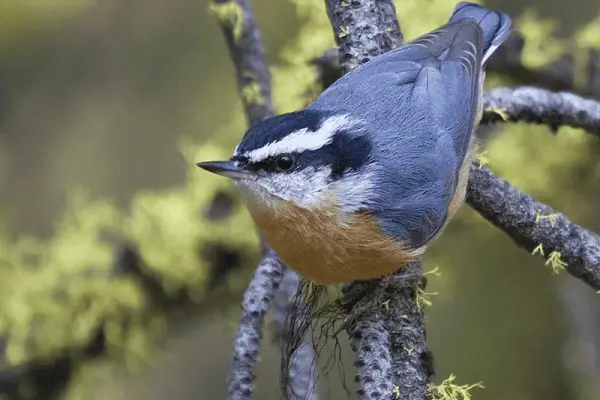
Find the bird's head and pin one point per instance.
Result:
(305, 157)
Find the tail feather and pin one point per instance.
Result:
(496, 25)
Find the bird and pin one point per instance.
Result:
(364, 178)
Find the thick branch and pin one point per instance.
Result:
(390, 346)
(540, 106)
(363, 29)
(412, 362)
(389, 335)
(248, 55)
(249, 333)
(518, 215)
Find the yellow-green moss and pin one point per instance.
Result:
(501, 112)
(229, 13)
(555, 262)
(251, 93)
(423, 298)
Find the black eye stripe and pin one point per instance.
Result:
(273, 164)
(347, 152)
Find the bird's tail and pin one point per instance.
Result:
(496, 26)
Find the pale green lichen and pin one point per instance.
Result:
(396, 392)
(251, 93)
(436, 271)
(550, 217)
(448, 390)
(482, 158)
(501, 112)
(229, 13)
(343, 32)
(423, 298)
(386, 305)
(538, 249)
(555, 262)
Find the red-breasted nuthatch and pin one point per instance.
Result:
(360, 181)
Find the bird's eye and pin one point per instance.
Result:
(284, 162)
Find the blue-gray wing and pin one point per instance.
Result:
(420, 103)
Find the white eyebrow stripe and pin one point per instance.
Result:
(302, 139)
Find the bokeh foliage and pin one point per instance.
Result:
(57, 294)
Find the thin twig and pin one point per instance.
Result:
(541, 106)
(531, 224)
(249, 334)
(365, 30)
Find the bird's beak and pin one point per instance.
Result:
(224, 168)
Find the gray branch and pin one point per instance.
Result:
(248, 337)
(390, 345)
(247, 53)
(412, 362)
(363, 29)
(541, 106)
(388, 335)
(516, 213)
(370, 340)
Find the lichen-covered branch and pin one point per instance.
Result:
(370, 340)
(248, 337)
(248, 56)
(541, 106)
(363, 29)
(302, 368)
(387, 329)
(389, 335)
(412, 362)
(532, 225)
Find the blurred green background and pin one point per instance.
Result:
(104, 106)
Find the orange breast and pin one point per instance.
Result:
(315, 244)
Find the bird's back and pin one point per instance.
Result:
(421, 103)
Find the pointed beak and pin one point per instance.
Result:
(224, 168)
